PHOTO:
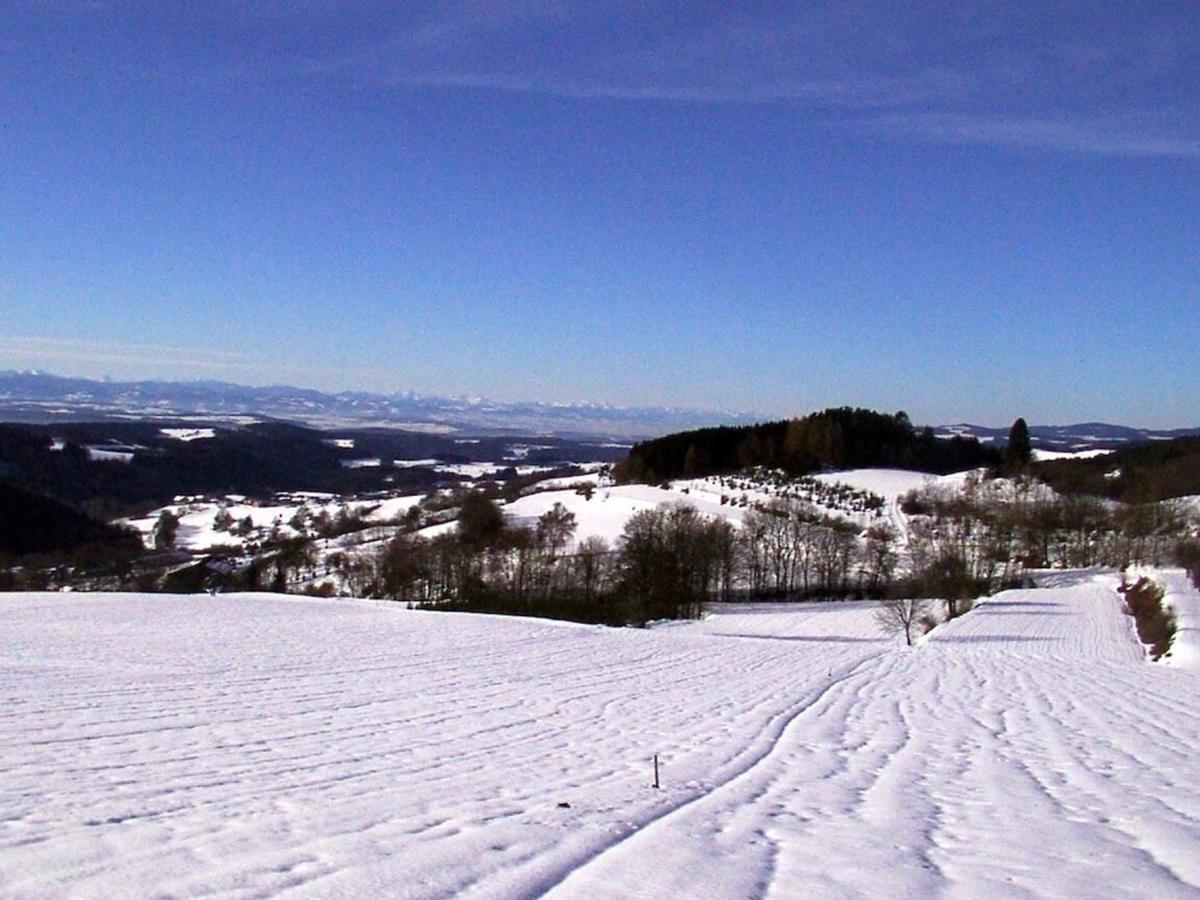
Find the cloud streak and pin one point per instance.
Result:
(850, 92)
(1112, 137)
(1055, 76)
(1074, 82)
(72, 350)
(37, 351)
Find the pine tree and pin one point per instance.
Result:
(1019, 452)
(166, 530)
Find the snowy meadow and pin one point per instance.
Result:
(256, 745)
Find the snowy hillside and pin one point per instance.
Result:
(601, 513)
(605, 513)
(246, 745)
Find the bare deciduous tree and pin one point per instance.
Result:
(898, 615)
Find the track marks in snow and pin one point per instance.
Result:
(759, 815)
(1022, 764)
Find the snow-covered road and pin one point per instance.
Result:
(253, 746)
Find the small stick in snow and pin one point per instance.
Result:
(656, 785)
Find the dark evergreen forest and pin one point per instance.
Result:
(30, 523)
(841, 438)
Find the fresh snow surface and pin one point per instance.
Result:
(251, 745)
(188, 434)
(887, 483)
(1045, 455)
(606, 513)
(1182, 599)
(388, 510)
(573, 481)
(99, 454)
(1189, 505)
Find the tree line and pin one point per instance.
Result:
(993, 529)
(959, 543)
(33, 524)
(666, 564)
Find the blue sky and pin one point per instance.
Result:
(971, 211)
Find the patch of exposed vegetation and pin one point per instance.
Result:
(1155, 623)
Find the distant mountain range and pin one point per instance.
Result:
(37, 397)
(1084, 436)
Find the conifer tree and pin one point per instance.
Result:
(1019, 452)
(165, 530)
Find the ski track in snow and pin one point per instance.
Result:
(979, 764)
(252, 746)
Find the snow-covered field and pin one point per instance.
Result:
(1045, 455)
(244, 746)
(610, 508)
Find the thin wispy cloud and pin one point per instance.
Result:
(850, 92)
(1113, 137)
(73, 350)
(989, 73)
(969, 75)
(35, 351)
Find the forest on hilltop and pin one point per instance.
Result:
(841, 438)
